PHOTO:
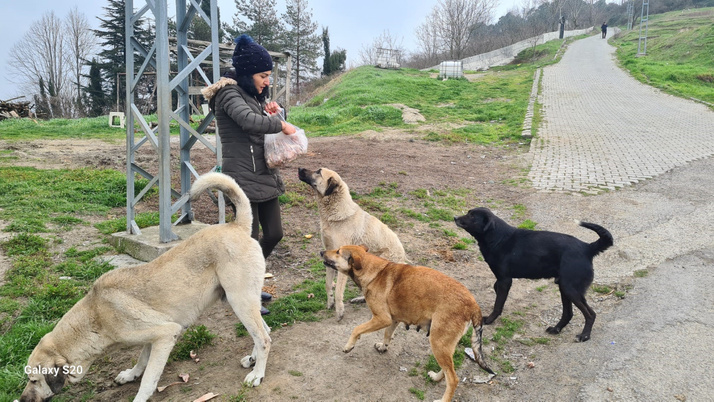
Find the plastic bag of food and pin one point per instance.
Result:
(282, 148)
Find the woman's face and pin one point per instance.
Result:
(261, 80)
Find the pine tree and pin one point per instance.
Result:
(113, 41)
(337, 60)
(326, 47)
(259, 19)
(301, 40)
(200, 30)
(94, 92)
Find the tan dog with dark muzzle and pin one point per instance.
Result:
(414, 295)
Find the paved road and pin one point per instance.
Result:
(604, 130)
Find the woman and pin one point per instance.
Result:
(238, 101)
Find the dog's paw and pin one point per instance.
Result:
(436, 377)
(247, 361)
(488, 320)
(330, 302)
(348, 348)
(253, 379)
(582, 338)
(126, 376)
(381, 347)
(340, 309)
(553, 330)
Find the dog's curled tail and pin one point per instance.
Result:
(601, 244)
(477, 341)
(226, 184)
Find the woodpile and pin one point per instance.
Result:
(14, 110)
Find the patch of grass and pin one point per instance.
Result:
(388, 219)
(303, 305)
(602, 289)
(679, 49)
(194, 339)
(24, 244)
(419, 394)
(541, 341)
(143, 220)
(528, 225)
(295, 373)
(31, 198)
(503, 333)
(460, 246)
(641, 273)
(291, 198)
(362, 100)
(27, 129)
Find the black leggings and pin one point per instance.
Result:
(267, 215)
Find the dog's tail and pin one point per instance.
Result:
(226, 184)
(601, 244)
(477, 340)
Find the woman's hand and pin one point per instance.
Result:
(272, 108)
(288, 128)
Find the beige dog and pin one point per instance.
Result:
(413, 295)
(343, 222)
(152, 304)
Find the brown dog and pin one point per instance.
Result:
(413, 295)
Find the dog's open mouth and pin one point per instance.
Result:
(329, 264)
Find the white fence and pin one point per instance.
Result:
(505, 55)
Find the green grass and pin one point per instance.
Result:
(27, 129)
(678, 58)
(307, 303)
(488, 110)
(602, 289)
(34, 200)
(195, 337)
(419, 394)
(507, 327)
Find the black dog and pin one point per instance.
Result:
(519, 253)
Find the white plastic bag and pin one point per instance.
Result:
(282, 148)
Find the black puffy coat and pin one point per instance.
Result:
(242, 127)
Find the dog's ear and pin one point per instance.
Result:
(353, 259)
(364, 247)
(331, 186)
(489, 223)
(56, 382)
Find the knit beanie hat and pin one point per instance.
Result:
(250, 58)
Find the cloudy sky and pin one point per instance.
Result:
(353, 24)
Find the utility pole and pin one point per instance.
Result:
(644, 17)
(158, 138)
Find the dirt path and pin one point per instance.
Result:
(306, 362)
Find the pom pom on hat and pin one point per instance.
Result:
(249, 57)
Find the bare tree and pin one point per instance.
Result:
(39, 54)
(368, 54)
(428, 39)
(81, 45)
(573, 10)
(455, 20)
(537, 21)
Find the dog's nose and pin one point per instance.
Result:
(322, 253)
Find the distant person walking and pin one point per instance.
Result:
(603, 28)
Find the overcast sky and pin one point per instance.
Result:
(353, 24)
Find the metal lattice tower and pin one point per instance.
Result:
(630, 14)
(159, 137)
(644, 17)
